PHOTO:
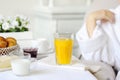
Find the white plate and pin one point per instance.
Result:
(50, 61)
(5, 69)
(75, 64)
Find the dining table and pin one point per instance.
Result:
(41, 72)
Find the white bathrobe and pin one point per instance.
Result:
(104, 45)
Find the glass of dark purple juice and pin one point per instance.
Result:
(31, 51)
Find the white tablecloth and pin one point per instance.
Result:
(39, 72)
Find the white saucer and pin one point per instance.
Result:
(47, 52)
(41, 56)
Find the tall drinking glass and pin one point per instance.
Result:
(63, 47)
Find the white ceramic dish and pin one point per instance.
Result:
(50, 62)
(5, 69)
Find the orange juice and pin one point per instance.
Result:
(63, 49)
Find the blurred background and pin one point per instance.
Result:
(50, 16)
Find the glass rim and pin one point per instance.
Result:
(63, 35)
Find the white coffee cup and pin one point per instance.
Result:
(20, 67)
(43, 45)
(33, 44)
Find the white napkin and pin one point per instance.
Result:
(75, 65)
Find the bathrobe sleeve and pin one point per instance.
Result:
(95, 48)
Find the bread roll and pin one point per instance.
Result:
(11, 41)
(2, 38)
(3, 42)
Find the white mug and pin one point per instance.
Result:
(43, 45)
(20, 67)
(34, 44)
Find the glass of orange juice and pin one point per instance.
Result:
(63, 47)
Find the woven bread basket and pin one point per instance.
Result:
(7, 50)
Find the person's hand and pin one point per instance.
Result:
(102, 15)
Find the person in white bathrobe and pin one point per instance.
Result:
(99, 38)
